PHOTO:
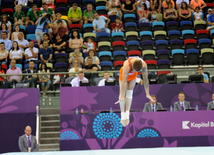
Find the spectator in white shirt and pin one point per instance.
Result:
(22, 2)
(31, 53)
(106, 78)
(197, 14)
(140, 2)
(76, 81)
(179, 2)
(22, 42)
(16, 53)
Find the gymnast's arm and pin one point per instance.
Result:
(125, 75)
(145, 80)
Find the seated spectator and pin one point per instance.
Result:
(2, 75)
(22, 2)
(15, 33)
(7, 42)
(197, 3)
(76, 81)
(179, 3)
(49, 2)
(95, 59)
(31, 79)
(75, 15)
(62, 30)
(75, 68)
(111, 7)
(3, 54)
(44, 79)
(46, 53)
(76, 56)
(58, 17)
(184, 12)
(32, 16)
(8, 23)
(117, 26)
(170, 13)
(89, 45)
(23, 43)
(201, 71)
(156, 4)
(143, 14)
(19, 16)
(119, 12)
(141, 2)
(88, 14)
(209, 12)
(181, 105)
(47, 10)
(10, 80)
(31, 53)
(46, 38)
(210, 105)
(128, 7)
(4, 29)
(152, 106)
(90, 66)
(59, 45)
(166, 4)
(75, 42)
(197, 14)
(99, 24)
(42, 24)
(16, 53)
(154, 16)
(106, 77)
(210, 21)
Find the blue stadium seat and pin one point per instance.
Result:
(146, 35)
(106, 65)
(131, 26)
(129, 18)
(163, 64)
(144, 26)
(17, 65)
(119, 55)
(163, 54)
(27, 65)
(192, 56)
(31, 37)
(117, 36)
(176, 44)
(103, 36)
(101, 10)
(158, 26)
(133, 45)
(161, 44)
(147, 45)
(186, 25)
(178, 57)
(105, 56)
(88, 27)
(204, 43)
(188, 34)
(174, 34)
(31, 29)
(171, 25)
(61, 67)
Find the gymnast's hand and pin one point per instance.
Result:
(121, 99)
(149, 97)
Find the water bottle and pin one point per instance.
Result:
(111, 110)
(196, 108)
(14, 86)
(77, 111)
(81, 111)
(171, 108)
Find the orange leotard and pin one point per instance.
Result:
(132, 75)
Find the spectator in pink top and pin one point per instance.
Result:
(75, 42)
(13, 79)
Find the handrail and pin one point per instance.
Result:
(37, 124)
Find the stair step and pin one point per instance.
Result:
(50, 118)
(50, 129)
(48, 150)
(49, 141)
(50, 115)
(50, 111)
(50, 138)
(45, 127)
(49, 134)
(48, 123)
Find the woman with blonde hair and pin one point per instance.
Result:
(19, 16)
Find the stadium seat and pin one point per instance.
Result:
(163, 64)
(37, 2)
(174, 34)
(176, 44)
(212, 33)
(61, 67)
(207, 56)
(8, 12)
(188, 34)
(200, 25)
(133, 45)
(163, 54)
(17, 65)
(89, 34)
(190, 43)
(100, 2)
(129, 18)
(106, 65)
(105, 56)
(131, 35)
(103, 36)
(61, 57)
(134, 53)
(75, 27)
(118, 65)
(171, 78)
(117, 36)
(193, 17)
(202, 34)
(131, 26)
(61, 3)
(86, 2)
(171, 25)
(161, 44)
(119, 55)
(27, 66)
(163, 72)
(178, 57)
(31, 29)
(186, 25)
(157, 26)
(118, 45)
(196, 78)
(88, 28)
(62, 10)
(148, 54)
(152, 78)
(101, 10)
(7, 4)
(145, 35)
(151, 64)
(192, 56)
(104, 46)
(147, 45)
(160, 35)
(204, 43)
(31, 37)
(144, 26)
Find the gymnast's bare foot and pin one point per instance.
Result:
(127, 122)
(123, 122)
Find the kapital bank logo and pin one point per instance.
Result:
(188, 124)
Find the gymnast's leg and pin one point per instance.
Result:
(128, 98)
(122, 107)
